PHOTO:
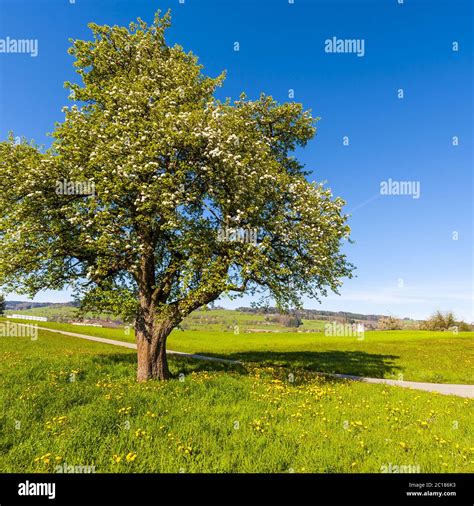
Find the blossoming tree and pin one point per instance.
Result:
(170, 166)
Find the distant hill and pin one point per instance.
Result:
(316, 314)
(18, 305)
(216, 318)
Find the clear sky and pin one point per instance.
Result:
(413, 255)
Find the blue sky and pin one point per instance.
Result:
(408, 263)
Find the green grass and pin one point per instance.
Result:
(219, 419)
(119, 333)
(436, 357)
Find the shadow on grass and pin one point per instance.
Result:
(177, 364)
(357, 363)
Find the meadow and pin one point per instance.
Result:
(411, 355)
(76, 402)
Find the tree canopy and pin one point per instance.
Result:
(169, 166)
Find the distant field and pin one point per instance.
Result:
(213, 320)
(438, 357)
(75, 402)
(227, 320)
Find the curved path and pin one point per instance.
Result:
(133, 346)
(441, 388)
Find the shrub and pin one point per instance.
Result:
(389, 323)
(3, 304)
(464, 327)
(285, 320)
(440, 321)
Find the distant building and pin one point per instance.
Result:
(84, 324)
(28, 317)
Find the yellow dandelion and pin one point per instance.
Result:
(131, 457)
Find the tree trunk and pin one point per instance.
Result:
(151, 338)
